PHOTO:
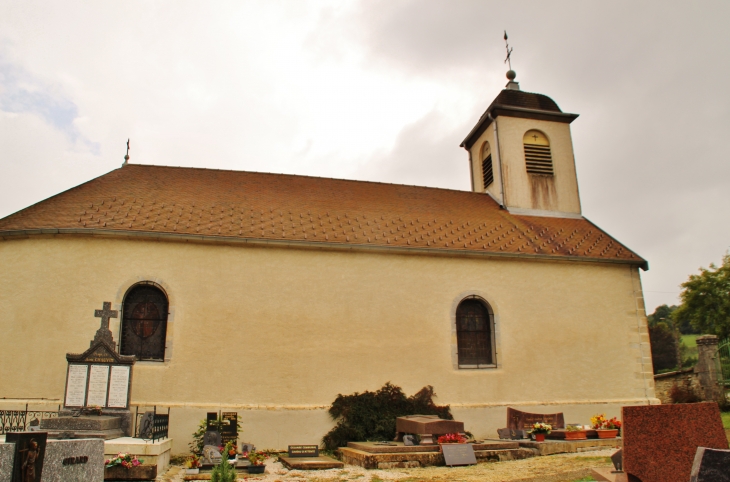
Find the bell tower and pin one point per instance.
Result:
(521, 154)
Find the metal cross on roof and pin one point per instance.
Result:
(508, 60)
(105, 313)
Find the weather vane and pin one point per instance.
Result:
(508, 60)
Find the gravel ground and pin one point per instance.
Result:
(553, 468)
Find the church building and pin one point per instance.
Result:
(270, 294)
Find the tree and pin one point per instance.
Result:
(661, 313)
(663, 347)
(706, 300)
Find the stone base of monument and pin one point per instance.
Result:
(609, 475)
(64, 460)
(311, 463)
(141, 472)
(155, 453)
(372, 455)
(85, 426)
(551, 446)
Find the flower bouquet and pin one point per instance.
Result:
(540, 429)
(125, 460)
(452, 438)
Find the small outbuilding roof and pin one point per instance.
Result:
(205, 205)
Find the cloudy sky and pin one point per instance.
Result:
(380, 91)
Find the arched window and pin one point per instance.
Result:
(537, 153)
(487, 171)
(475, 334)
(144, 322)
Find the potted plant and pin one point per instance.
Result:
(540, 429)
(575, 432)
(192, 464)
(605, 428)
(257, 461)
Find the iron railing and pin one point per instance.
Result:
(723, 357)
(22, 420)
(151, 425)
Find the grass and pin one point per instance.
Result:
(690, 341)
(725, 419)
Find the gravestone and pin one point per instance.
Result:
(711, 465)
(146, 425)
(409, 440)
(30, 450)
(428, 427)
(303, 451)
(97, 377)
(211, 456)
(229, 429)
(512, 434)
(63, 461)
(617, 459)
(212, 438)
(660, 441)
(458, 454)
(519, 420)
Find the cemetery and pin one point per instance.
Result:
(244, 304)
(95, 436)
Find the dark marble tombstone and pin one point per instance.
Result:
(711, 465)
(229, 429)
(524, 420)
(146, 425)
(428, 427)
(212, 438)
(617, 459)
(660, 441)
(30, 450)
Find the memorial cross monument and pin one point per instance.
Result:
(99, 377)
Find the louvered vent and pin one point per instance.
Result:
(538, 159)
(487, 172)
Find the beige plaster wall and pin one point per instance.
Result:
(522, 190)
(276, 334)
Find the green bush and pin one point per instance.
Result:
(371, 415)
(224, 472)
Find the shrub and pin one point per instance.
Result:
(684, 393)
(224, 472)
(371, 415)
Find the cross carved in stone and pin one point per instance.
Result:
(104, 333)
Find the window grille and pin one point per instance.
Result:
(144, 323)
(538, 158)
(474, 329)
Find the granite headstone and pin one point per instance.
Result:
(660, 441)
(64, 460)
(212, 438)
(517, 419)
(711, 465)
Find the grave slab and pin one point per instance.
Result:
(711, 465)
(311, 463)
(153, 453)
(660, 441)
(391, 460)
(552, 447)
(399, 447)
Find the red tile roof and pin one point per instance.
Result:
(250, 206)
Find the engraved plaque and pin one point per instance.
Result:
(76, 385)
(303, 451)
(118, 387)
(459, 454)
(98, 383)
